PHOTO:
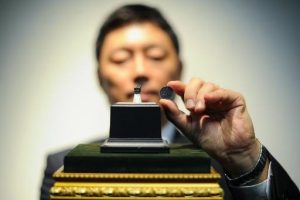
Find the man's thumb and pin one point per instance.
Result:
(176, 116)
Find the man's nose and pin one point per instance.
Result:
(139, 65)
(141, 73)
(140, 69)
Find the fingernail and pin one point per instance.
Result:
(190, 103)
(199, 105)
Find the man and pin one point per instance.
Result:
(136, 44)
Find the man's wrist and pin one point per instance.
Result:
(257, 174)
(241, 161)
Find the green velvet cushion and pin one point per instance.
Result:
(181, 159)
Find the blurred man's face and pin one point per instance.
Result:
(133, 53)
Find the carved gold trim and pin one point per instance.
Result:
(137, 190)
(136, 186)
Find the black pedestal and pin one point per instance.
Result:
(135, 128)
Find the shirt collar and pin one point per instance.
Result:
(168, 132)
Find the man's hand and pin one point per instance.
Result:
(218, 122)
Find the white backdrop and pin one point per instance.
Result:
(50, 98)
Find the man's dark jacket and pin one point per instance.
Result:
(282, 186)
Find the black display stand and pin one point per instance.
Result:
(135, 128)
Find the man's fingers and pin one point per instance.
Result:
(223, 100)
(206, 88)
(202, 97)
(191, 92)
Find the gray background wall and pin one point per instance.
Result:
(49, 95)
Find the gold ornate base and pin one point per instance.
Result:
(116, 186)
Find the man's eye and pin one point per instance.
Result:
(156, 57)
(119, 61)
(120, 57)
(156, 54)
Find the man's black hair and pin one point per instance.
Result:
(134, 14)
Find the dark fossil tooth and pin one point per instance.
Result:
(167, 93)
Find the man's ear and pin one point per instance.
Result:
(103, 83)
(100, 79)
(179, 70)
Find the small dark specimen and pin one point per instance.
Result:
(167, 93)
